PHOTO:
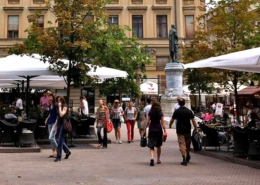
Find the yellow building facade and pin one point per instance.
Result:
(150, 19)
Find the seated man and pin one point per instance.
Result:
(10, 114)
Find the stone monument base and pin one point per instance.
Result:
(168, 103)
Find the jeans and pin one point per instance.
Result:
(104, 140)
(61, 143)
(130, 129)
(52, 139)
(116, 123)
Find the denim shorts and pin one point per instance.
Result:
(116, 123)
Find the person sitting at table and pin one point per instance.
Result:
(209, 116)
(10, 114)
(84, 106)
(254, 118)
(18, 105)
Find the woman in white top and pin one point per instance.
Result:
(130, 117)
(116, 112)
(84, 106)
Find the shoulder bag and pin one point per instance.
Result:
(66, 123)
(108, 122)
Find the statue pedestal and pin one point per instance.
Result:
(174, 85)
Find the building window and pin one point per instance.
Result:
(38, 1)
(202, 22)
(161, 63)
(138, 26)
(41, 21)
(162, 26)
(137, 1)
(161, 1)
(60, 30)
(113, 20)
(13, 1)
(189, 19)
(13, 26)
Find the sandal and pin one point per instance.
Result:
(159, 162)
(52, 156)
(104, 147)
(99, 146)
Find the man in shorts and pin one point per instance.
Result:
(183, 129)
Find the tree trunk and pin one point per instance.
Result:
(199, 100)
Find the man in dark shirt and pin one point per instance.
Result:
(183, 129)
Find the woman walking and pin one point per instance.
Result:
(141, 119)
(116, 112)
(62, 107)
(155, 135)
(102, 118)
(130, 117)
(51, 121)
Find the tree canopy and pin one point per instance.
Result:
(229, 28)
(81, 34)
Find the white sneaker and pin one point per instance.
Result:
(116, 141)
(119, 142)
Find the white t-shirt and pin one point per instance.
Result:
(147, 110)
(130, 114)
(19, 104)
(176, 106)
(213, 106)
(85, 109)
(116, 112)
(10, 116)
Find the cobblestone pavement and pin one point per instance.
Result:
(122, 165)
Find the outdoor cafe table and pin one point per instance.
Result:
(225, 129)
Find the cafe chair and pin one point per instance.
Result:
(7, 134)
(25, 133)
(211, 139)
(254, 143)
(91, 122)
(241, 144)
(41, 129)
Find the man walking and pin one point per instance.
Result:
(183, 129)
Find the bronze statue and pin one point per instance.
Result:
(173, 40)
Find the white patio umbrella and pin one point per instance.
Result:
(14, 67)
(149, 88)
(247, 60)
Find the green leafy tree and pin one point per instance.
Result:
(124, 53)
(80, 34)
(230, 25)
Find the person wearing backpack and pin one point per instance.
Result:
(130, 117)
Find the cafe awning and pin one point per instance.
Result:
(247, 61)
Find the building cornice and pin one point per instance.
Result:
(189, 8)
(7, 8)
(137, 7)
(37, 8)
(113, 7)
(161, 7)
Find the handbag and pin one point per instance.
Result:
(164, 136)
(108, 122)
(122, 120)
(195, 139)
(143, 142)
(66, 123)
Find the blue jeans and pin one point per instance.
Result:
(61, 143)
(54, 144)
(104, 140)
